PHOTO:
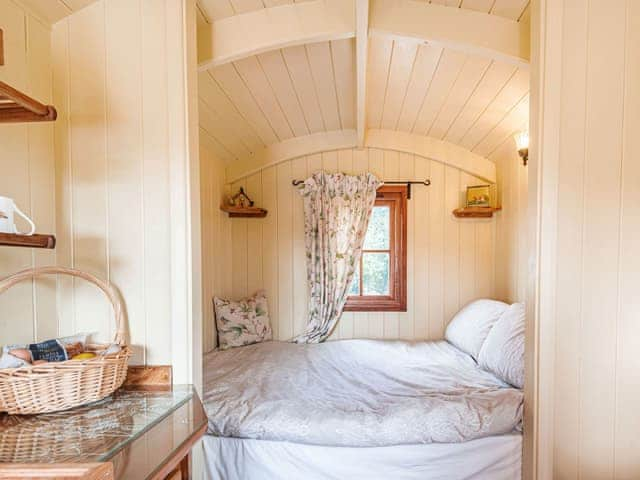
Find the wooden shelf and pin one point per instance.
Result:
(244, 212)
(30, 241)
(475, 212)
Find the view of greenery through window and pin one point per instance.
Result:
(375, 256)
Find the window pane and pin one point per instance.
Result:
(378, 232)
(355, 284)
(375, 273)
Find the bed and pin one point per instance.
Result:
(359, 409)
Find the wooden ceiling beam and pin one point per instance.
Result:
(362, 44)
(459, 29)
(247, 34)
(240, 36)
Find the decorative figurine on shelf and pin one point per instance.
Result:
(240, 199)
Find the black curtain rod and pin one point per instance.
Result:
(426, 182)
(408, 183)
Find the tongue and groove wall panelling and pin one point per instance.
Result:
(450, 261)
(111, 76)
(28, 310)
(511, 224)
(590, 313)
(216, 238)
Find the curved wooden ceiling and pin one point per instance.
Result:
(458, 95)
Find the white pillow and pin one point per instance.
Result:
(503, 350)
(470, 326)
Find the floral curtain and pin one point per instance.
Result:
(337, 208)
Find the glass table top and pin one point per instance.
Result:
(91, 433)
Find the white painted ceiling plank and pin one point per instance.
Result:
(217, 9)
(469, 78)
(507, 127)
(300, 71)
(78, 4)
(380, 52)
(220, 128)
(323, 78)
(426, 64)
(343, 55)
(278, 76)
(233, 85)
(256, 80)
(51, 11)
(512, 9)
(218, 149)
(483, 6)
(210, 92)
(244, 6)
(276, 3)
(511, 94)
(493, 81)
(445, 77)
(403, 58)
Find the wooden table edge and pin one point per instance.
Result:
(181, 453)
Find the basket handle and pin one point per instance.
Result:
(7, 282)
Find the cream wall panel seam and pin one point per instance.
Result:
(627, 393)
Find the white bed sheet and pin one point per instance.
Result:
(491, 458)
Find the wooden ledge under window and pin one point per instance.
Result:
(475, 212)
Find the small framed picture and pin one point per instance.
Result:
(479, 196)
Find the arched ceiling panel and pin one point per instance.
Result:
(444, 94)
(279, 95)
(301, 94)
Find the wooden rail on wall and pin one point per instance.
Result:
(15, 106)
(30, 241)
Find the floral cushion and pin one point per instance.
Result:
(243, 322)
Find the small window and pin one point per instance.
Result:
(380, 281)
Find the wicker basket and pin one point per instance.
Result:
(56, 386)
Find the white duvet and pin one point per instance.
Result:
(356, 393)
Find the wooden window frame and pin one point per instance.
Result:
(394, 196)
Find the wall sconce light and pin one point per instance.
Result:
(522, 142)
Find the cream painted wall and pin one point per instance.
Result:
(28, 310)
(216, 236)
(121, 173)
(450, 261)
(587, 177)
(511, 224)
